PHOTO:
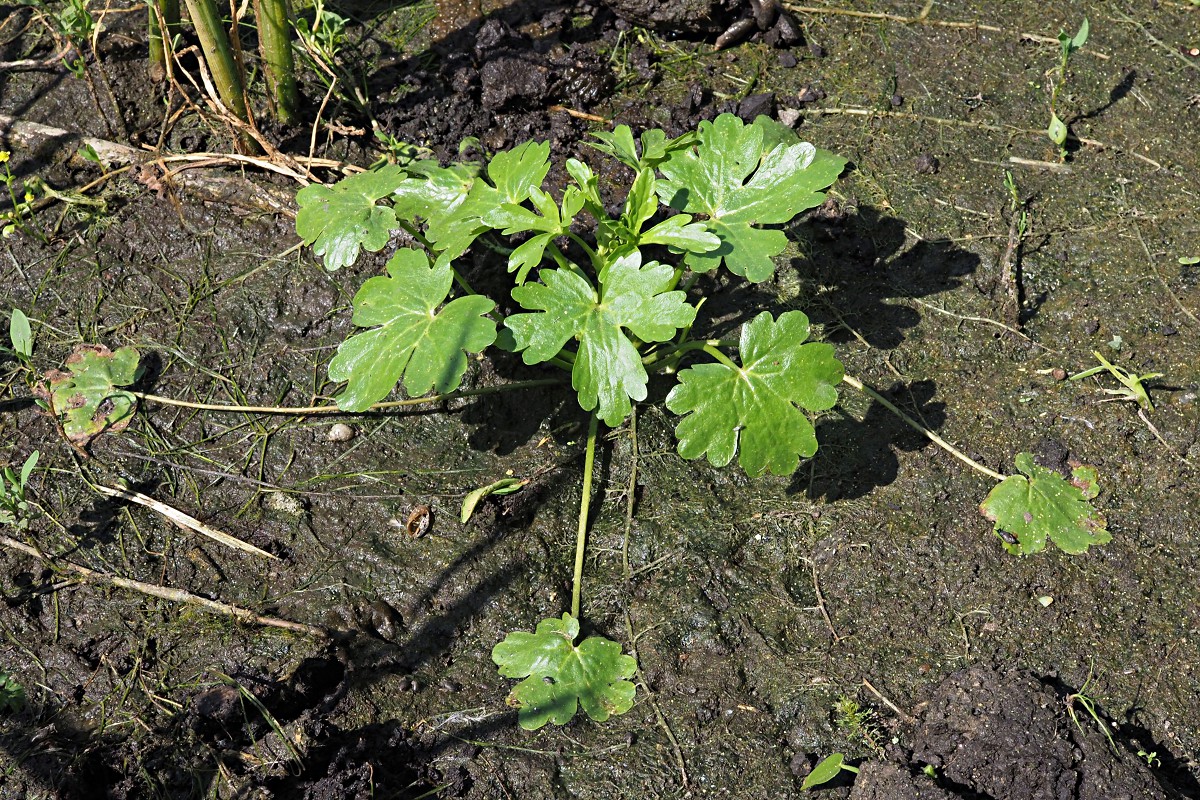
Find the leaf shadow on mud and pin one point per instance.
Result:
(856, 456)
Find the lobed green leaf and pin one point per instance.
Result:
(560, 677)
(409, 337)
(752, 410)
(340, 219)
(1040, 504)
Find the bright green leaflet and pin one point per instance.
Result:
(339, 219)
(751, 409)
(559, 677)
(20, 334)
(501, 487)
(608, 369)
(829, 768)
(86, 398)
(550, 223)
(410, 339)
(740, 176)
(1041, 504)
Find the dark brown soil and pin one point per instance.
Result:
(755, 605)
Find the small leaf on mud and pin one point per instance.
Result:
(742, 176)
(339, 219)
(501, 487)
(559, 677)
(1028, 509)
(20, 334)
(829, 768)
(408, 338)
(752, 408)
(85, 398)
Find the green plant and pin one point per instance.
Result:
(1068, 46)
(591, 302)
(1084, 701)
(1131, 383)
(858, 721)
(20, 335)
(12, 693)
(14, 507)
(829, 768)
(14, 218)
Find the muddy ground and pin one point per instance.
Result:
(757, 607)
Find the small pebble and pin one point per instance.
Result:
(787, 60)
(1059, 374)
(897, 100)
(927, 164)
(340, 432)
(1092, 327)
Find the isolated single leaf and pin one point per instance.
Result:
(740, 176)
(559, 677)
(408, 338)
(1040, 504)
(829, 768)
(608, 369)
(501, 487)
(752, 409)
(20, 334)
(85, 397)
(339, 219)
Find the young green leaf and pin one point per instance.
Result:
(681, 235)
(407, 337)
(559, 677)
(829, 768)
(753, 408)
(85, 397)
(550, 223)
(20, 334)
(501, 487)
(738, 182)
(339, 219)
(1041, 505)
(12, 694)
(608, 369)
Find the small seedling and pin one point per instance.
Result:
(15, 509)
(829, 768)
(1068, 46)
(1152, 760)
(12, 694)
(20, 335)
(499, 488)
(1132, 388)
(858, 721)
(1088, 704)
(20, 200)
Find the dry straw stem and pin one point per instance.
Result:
(169, 593)
(183, 520)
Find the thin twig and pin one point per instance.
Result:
(304, 411)
(1157, 274)
(912, 423)
(183, 520)
(909, 718)
(985, 321)
(171, 594)
(812, 565)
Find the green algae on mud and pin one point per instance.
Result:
(726, 611)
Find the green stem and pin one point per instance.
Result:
(584, 502)
(930, 435)
(672, 354)
(275, 47)
(719, 356)
(168, 12)
(586, 248)
(214, 41)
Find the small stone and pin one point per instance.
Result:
(816, 50)
(340, 432)
(927, 164)
(897, 100)
(809, 94)
(1092, 328)
(755, 105)
(1059, 374)
(787, 59)
(789, 116)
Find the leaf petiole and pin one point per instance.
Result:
(584, 504)
(721, 357)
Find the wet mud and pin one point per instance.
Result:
(757, 608)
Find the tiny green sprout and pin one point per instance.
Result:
(20, 334)
(829, 768)
(930, 770)
(1132, 388)
(499, 488)
(12, 694)
(1152, 760)
(14, 506)
(1187, 261)
(1088, 704)
(1068, 46)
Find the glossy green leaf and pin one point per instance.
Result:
(1057, 131)
(559, 677)
(1041, 504)
(339, 219)
(739, 177)
(754, 409)
(608, 370)
(20, 334)
(829, 768)
(682, 235)
(408, 335)
(85, 397)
